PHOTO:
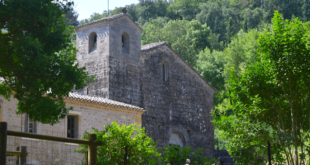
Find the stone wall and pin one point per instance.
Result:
(181, 105)
(48, 152)
(96, 62)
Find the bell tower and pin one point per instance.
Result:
(102, 47)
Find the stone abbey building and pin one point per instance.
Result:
(149, 85)
(177, 100)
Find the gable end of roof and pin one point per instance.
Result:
(152, 46)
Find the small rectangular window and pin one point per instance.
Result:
(30, 125)
(165, 71)
(164, 76)
(72, 127)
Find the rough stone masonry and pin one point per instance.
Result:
(154, 77)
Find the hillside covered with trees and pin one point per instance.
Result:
(222, 39)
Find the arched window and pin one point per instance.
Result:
(125, 43)
(165, 71)
(92, 42)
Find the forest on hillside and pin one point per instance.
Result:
(217, 37)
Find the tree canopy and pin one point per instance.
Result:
(37, 59)
(270, 100)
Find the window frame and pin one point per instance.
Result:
(34, 124)
(125, 43)
(75, 129)
(165, 68)
(92, 42)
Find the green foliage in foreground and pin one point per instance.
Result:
(271, 99)
(37, 59)
(120, 140)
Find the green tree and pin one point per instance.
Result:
(256, 16)
(71, 16)
(37, 60)
(245, 23)
(229, 30)
(185, 9)
(186, 38)
(211, 66)
(271, 100)
(240, 52)
(150, 10)
(120, 140)
(212, 15)
(306, 10)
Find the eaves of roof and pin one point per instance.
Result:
(101, 100)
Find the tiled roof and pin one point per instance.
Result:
(106, 19)
(101, 100)
(159, 44)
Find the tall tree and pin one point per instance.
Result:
(186, 9)
(186, 38)
(215, 17)
(211, 66)
(306, 10)
(245, 23)
(229, 29)
(271, 100)
(37, 60)
(72, 17)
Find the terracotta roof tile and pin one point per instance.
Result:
(101, 100)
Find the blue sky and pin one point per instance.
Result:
(85, 8)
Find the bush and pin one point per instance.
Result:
(130, 143)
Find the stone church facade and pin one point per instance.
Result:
(177, 100)
(149, 85)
